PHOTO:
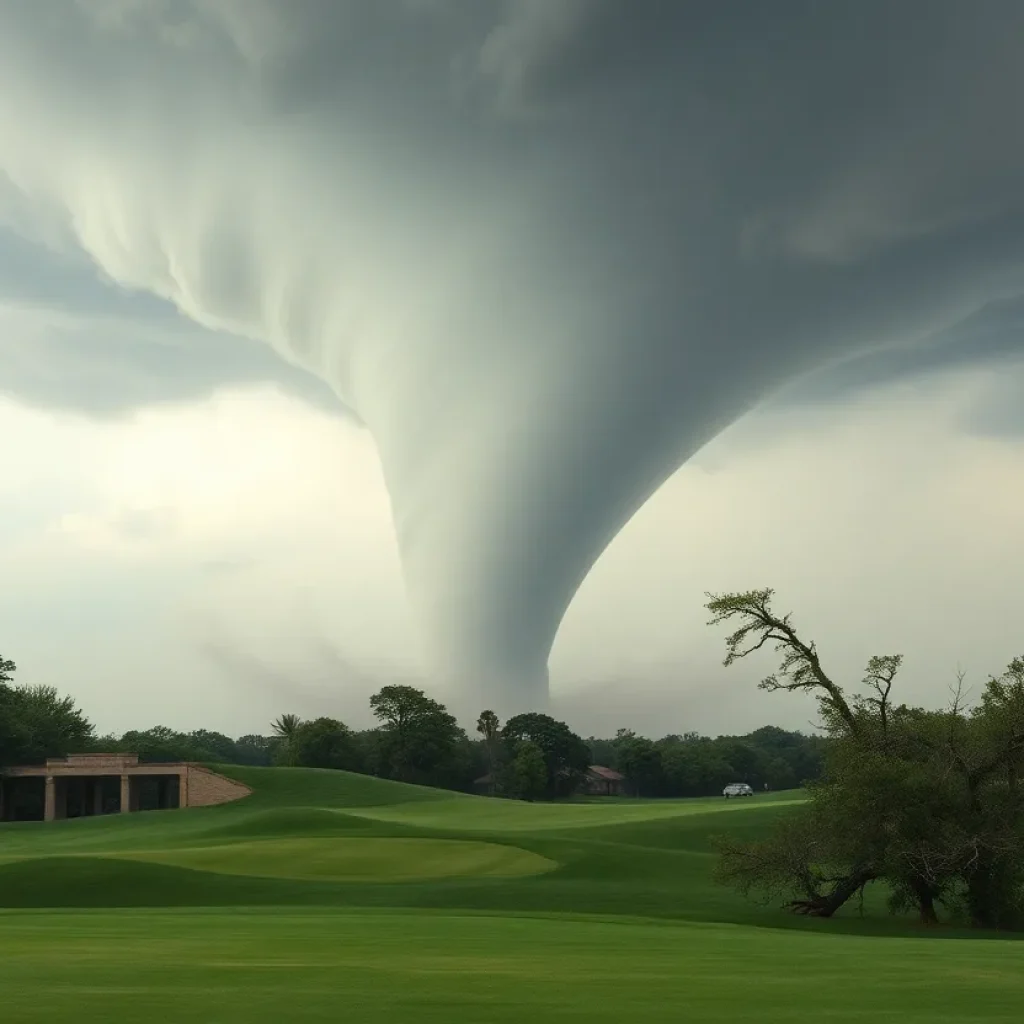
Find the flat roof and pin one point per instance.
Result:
(99, 764)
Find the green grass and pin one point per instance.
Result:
(326, 895)
(347, 859)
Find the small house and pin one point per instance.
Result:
(601, 781)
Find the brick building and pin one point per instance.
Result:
(82, 785)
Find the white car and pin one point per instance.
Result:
(737, 789)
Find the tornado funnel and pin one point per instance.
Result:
(544, 250)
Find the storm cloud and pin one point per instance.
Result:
(545, 250)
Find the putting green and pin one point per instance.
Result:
(344, 859)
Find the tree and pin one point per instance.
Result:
(417, 735)
(694, 766)
(800, 669)
(489, 727)
(322, 743)
(529, 772)
(284, 727)
(371, 750)
(212, 747)
(640, 761)
(603, 751)
(162, 745)
(929, 802)
(40, 723)
(36, 722)
(12, 736)
(987, 754)
(106, 744)
(566, 756)
(255, 750)
(792, 757)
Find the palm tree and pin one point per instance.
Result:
(489, 727)
(285, 726)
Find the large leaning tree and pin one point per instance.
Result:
(928, 803)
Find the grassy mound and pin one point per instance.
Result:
(354, 860)
(309, 837)
(317, 787)
(324, 892)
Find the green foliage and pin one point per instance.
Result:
(322, 743)
(161, 744)
(566, 756)
(215, 746)
(603, 751)
(489, 727)
(929, 802)
(528, 772)
(37, 723)
(697, 767)
(694, 765)
(419, 741)
(800, 669)
(285, 726)
(418, 737)
(640, 761)
(254, 750)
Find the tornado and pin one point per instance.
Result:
(544, 251)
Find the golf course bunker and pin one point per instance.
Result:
(347, 859)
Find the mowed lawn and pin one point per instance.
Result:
(327, 896)
(249, 967)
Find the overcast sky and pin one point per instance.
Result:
(197, 531)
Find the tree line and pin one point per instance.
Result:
(926, 804)
(531, 756)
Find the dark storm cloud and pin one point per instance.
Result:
(546, 249)
(110, 368)
(73, 341)
(992, 338)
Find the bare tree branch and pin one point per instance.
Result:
(801, 668)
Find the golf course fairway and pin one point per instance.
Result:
(327, 896)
